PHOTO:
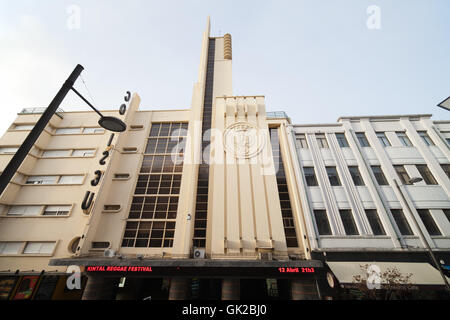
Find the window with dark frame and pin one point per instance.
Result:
(362, 139)
(429, 222)
(379, 175)
(356, 176)
(447, 214)
(283, 191)
(343, 143)
(322, 141)
(375, 223)
(426, 174)
(349, 222)
(402, 174)
(333, 176)
(426, 138)
(383, 139)
(301, 141)
(151, 220)
(322, 223)
(401, 222)
(446, 168)
(310, 176)
(404, 139)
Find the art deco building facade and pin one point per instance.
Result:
(213, 201)
(183, 204)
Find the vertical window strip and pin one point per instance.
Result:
(201, 204)
(283, 192)
(151, 220)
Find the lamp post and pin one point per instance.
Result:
(422, 236)
(109, 123)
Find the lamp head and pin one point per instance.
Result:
(112, 124)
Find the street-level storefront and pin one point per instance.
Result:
(411, 275)
(42, 286)
(144, 279)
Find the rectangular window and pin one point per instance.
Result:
(401, 222)
(42, 180)
(379, 175)
(55, 153)
(93, 130)
(343, 143)
(77, 179)
(446, 168)
(333, 176)
(68, 131)
(83, 153)
(153, 212)
(8, 150)
(356, 176)
(323, 226)
(310, 177)
(426, 174)
(447, 213)
(24, 127)
(362, 139)
(425, 138)
(301, 141)
(39, 247)
(10, 247)
(383, 139)
(322, 141)
(404, 139)
(57, 210)
(429, 222)
(402, 174)
(375, 223)
(24, 211)
(348, 222)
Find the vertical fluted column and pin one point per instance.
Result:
(100, 288)
(304, 289)
(231, 289)
(179, 288)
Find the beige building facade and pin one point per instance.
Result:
(182, 201)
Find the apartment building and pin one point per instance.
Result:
(375, 190)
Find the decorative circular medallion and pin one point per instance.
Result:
(243, 140)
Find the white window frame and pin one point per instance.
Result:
(8, 150)
(25, 211)
(4, 244)
(70, 130)
(40, 246)
(72, 178)
(23, 126)
(93, 130)
(86, 153)
(66, 154)
(39, 180)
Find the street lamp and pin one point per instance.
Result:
(445, 104)
(414, 180)
(109, 123)
(422, 236)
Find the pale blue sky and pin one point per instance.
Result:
(316, 60)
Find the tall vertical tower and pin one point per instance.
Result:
(233, 206)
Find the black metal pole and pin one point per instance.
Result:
(29, 141)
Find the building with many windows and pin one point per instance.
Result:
(375, 190)
(194, 203)
(221, 200)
